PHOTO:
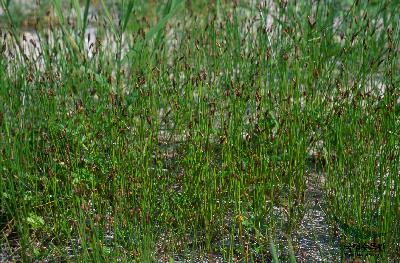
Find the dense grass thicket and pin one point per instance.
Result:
(193, 131)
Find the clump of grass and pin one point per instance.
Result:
(188, 134)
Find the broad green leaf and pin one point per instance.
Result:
(35, 221)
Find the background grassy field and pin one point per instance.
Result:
(200, 131)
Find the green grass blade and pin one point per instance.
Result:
(109, 18)
(154, 30)
(291, 252)
(128, 14)
(273, 252)
(15, 34)
(85, 19)
(68, 37)
(77, 8)
(58, 10)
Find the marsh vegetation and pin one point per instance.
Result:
(200, 131)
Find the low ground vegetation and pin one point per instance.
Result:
(197, 132)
